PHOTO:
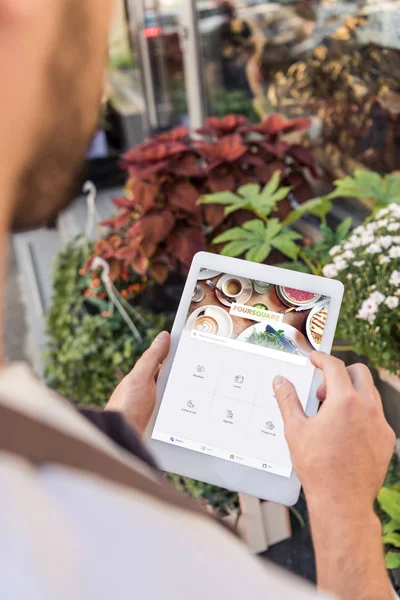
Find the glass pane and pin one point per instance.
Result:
(335, 62)
(161, 30)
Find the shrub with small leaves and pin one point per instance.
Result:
(368, 263)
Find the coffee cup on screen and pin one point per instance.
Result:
(206, 324)
(232, 287)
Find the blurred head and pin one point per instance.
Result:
(52, 59)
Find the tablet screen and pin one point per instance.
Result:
(239, 334)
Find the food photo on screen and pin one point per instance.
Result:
(258, 313)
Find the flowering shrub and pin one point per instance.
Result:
(368, 263)
(160, 225)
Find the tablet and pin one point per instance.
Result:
(239, 324)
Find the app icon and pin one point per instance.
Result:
(172, 439)
(270, 425)
(200, 369)
(264, 466)
(239, 379)
(232, 456)
(229, 414)
(190, 404)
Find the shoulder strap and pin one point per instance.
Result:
(40, 443)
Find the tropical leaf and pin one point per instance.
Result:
(392, 560)
(392, 539)
(390, 527)
(389, 500)
(251, 197)
(318, 207)
(368, 184)
(257, 239)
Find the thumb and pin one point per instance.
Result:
(288, 400)
(148, 365)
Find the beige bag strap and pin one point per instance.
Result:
(40, 443)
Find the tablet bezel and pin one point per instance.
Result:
(217, 471)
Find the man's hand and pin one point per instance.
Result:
(341, 457)
(135, 396)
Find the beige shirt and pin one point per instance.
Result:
(68, 534)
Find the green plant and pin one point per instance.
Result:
(233, 102)
(258, 237)
(160, 225)
(368, 263)
(89, 346)
(369, 185)
(121, 60)
(389, 502)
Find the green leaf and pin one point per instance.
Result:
(392, 539)
(390, 527)
(241, 204)
(295, 266)
(284, 244)
(256, 226)
(249, 190)
(318, 207)
(273, 228)
(343, 229)
(259, 252)
(389, 500)
(218, 198)
(230, 235)
(271, 186)
(392, 560)
(236, 248)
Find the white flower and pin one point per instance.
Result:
(340, 264)
(368, 310)
(396, 239)
(366, 239)
(371, 227)
(349, 276)
(394, 252)
(383, 260)
(385, 241)
(348, 254)
(392, 302)
(382, 223)
(373, 249)
(359, 263)
(372, 287)
(329, 271)
(377, 297)
(335, 250)
(395, 278)
(383, 212)
(376, 330)
(359, 229)
(394, 209)
(354, 242)
(393, 227)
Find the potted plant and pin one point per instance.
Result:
(160, 225)
(368, 263)
(89, 345)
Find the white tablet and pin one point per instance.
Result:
(239, 324)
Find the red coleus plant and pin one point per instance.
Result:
(160, 225)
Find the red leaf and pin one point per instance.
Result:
(115, 268)
(187, 164)
(184, 196)
(159, 272)
(214, 215)
(155, 226)
(154, 152)
(221, 180)
(185, 243)
(140, 262)
(277, 148)
(276, 123)
(265, 172)
(228, 124)
(123, 202)
(144, 193)
(226, 149)
(118, 221)
(304, 157)
(177, 134)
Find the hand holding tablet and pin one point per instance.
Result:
(218, 419)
